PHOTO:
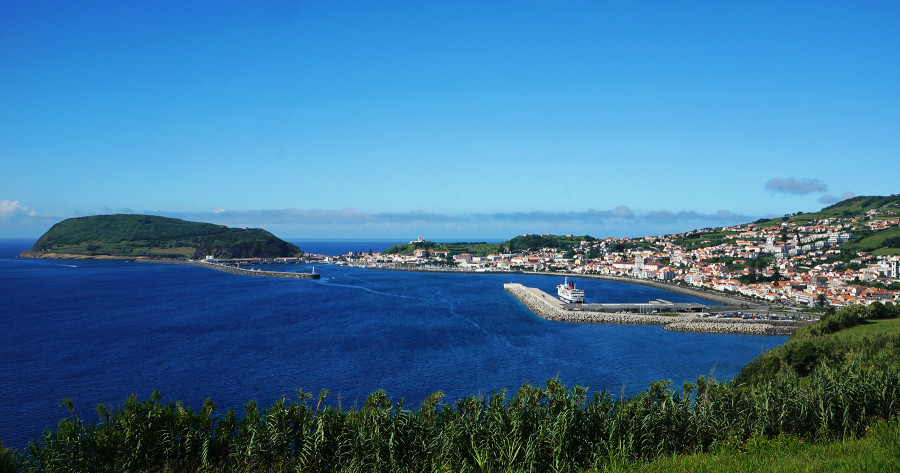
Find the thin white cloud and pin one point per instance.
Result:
(830, 199)
(355, 223)
(590, 215)
(314, 217)
(796, 186)
(359, 217)
(722, 216)
(17, 220)
(623, 211)
(355, 218)
(12, 209)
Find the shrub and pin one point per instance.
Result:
(8, 463)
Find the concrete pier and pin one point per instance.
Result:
(551, 308)
(236, 270)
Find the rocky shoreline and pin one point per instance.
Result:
(550, 308)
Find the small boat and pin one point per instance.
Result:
(568, 293)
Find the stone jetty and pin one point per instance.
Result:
(551, 308)
(236, 270)
(250, 272)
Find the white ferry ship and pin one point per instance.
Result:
(567, 292)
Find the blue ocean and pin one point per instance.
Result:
(99, 331)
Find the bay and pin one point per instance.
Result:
(99, 331)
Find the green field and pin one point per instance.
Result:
(878, 451)
(873, 328)
(695, 240)
(882, 242)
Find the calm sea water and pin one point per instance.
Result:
(98, 331)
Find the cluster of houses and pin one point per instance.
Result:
(805, 268)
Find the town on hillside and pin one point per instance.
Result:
(788, 263)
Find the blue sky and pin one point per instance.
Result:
(445, 119)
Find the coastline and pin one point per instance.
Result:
(723, 299)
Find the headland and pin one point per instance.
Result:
(130, 236)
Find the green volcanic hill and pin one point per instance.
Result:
(134, 236)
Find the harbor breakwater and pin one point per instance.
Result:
(236, 270)
(551, 308)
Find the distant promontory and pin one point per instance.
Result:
(149, 236)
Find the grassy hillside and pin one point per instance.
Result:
(849, 208)
(702, 239)
(877, 242)
(147, 235)
(856, 335)
(877, 452)
(881, 242)
(860, 205)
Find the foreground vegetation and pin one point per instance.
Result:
(867, 336)
(878, 451)
(779, 407)
(148, 235)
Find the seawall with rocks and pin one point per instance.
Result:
(548, 307)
